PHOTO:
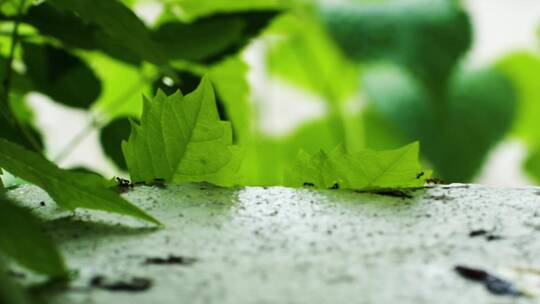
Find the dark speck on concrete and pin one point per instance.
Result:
(133, 285)
(493, 284)
(170, 260)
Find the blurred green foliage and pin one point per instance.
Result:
(524, 71)
(388, 73)
(418, 85)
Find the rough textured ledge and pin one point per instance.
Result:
(279, 245)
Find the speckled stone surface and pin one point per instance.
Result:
(280, 245)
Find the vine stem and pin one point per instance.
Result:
(6, 107)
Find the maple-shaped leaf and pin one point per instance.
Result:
(365, 169)
(181, 139)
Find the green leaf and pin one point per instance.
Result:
(20, 84)
(229, 79)
(112, 136)
(266, 157)
(118, 22)
(185, 81)
(11, 7)
(23, 240)
(457, 130)
(189, 10)
(306, 57)
(15, 111)
(532, 165)
(62, 25)
(358, 170)
(211, 38)
(14, 134)
(181, 139)
(426, 36)
(70, 190)
(60, 75)
(73, 32)
(198, 40)
(523, 69)
(11, 292)
(120, 98)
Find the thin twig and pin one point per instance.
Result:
(95, 123)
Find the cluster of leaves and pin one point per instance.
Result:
(65, 47)
(182, 139)
(418, 85)
(74, 52)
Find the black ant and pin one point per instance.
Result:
(335, 186)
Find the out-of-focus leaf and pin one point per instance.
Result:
(210, 38)
(185, 81)
(118, 22)
(62, 25)
(189, 10)
(60, 75)
(72, 31)
(426, 36)
(87, 171)
(198, 40)
(532, 165)
(268, 158)
(229, 79)
(23, 240)
(112, 136)
(122, 86)
(20, 84)
(10, 292)
(181, 139)
(15, 110)
(11, 7)
(523, 69)
(69, 190)
(380, 134)
(359, 170)
(308, 58)
(457, 131)
(10, 132)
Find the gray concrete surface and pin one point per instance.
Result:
(280, 245)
